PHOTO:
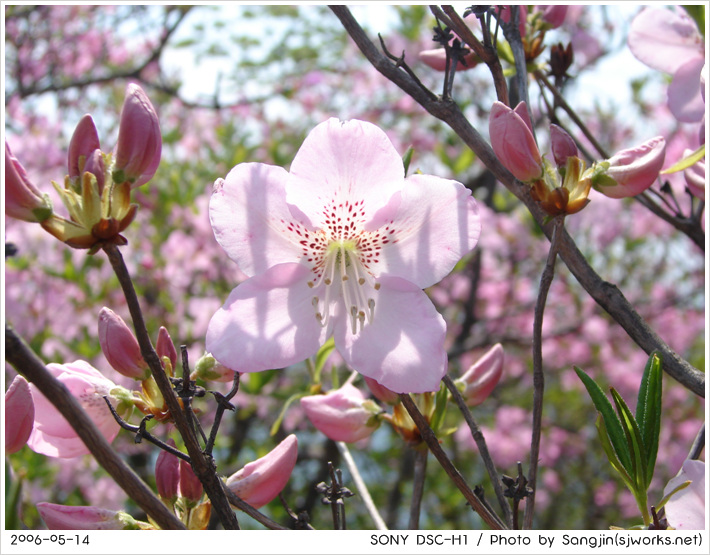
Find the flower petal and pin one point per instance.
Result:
(684, 99)
(685, 510)
(250, 218)
(343, 161)
(437, 222)
(267, 322)
(403, 347)
(664, 39)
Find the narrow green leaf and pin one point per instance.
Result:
(686, 162)
(634, 442)
(648, 411)
(321, 358)
(440, 403)
(277, 424)
(611, 420)
(407, 159)
(609, 450)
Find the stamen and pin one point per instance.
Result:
(353, 320)
(377, 286)
(371, 305)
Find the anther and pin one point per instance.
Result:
(361, 281)
(377, 286)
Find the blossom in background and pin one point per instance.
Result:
(685, 510)
(341, 246)
(64, 517)
(262, 480)
(19, 414)
(343, 414)
(52, 434)
(669, 41)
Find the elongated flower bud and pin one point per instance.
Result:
(139, 141)
(436, 59)
(513, 142)
(120, 346)
(19, 414)
(381, 392)
(633, 170)
(165, 347)
(481, 378)
(343, 414)
(562, 145)
(84, 142)
(190, 485)
(23, 201)
(167, 474)
(64, 517)
(262, 480)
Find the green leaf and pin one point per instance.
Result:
(277, 424)
(322, 357)
(611, 420)
(648, 411)
(634, 442)
(609, 450)
(685, 163)
(440, 403)
(407, 159)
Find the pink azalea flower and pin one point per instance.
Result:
(64, 517)
(381, 392)
(634, 170)
(342, 414)
(341, 246)
(669, 41)
(19, 414)
(52, 435)
(685, 510)
(513, 142)
(262, 480)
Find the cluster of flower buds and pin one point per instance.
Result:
(563, 188)
(97, 190)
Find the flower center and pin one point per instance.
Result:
(344, 274)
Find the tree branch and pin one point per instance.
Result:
(607, 295)
(27, 363)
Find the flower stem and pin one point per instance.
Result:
(427, 434)
(538, 376)
(202, 466)
(420, 460)
(482, 448)
(361, 486)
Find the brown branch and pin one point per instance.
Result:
(251, 511)
(202, 466)
(432, 442)
(607, 295)
(415, 507)
(31, 367)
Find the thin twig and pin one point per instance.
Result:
(698, 445)
(482, 448)
(27, 363)
(360, 485)
(142, 433)
(201, 465)
(427, 434)
(222, 405)
(245, 507)
(420, 459)
(538, 376)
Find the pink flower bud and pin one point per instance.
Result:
(167, 474)
(262, 480)
(553, 15)
(506, 15)
(190, 485)
(634, 170)
(381, 392)
(139, 141)
(120, 346)
(685, 510)
(63, 517)
(436, 59)
(19, 414)
(562, 145)
(95, 165)
(695, 177)
(52, 435)
(165, 347)
(342, 414)
(23, 200)
(513, 142)
(84, 142)
(480, 380)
